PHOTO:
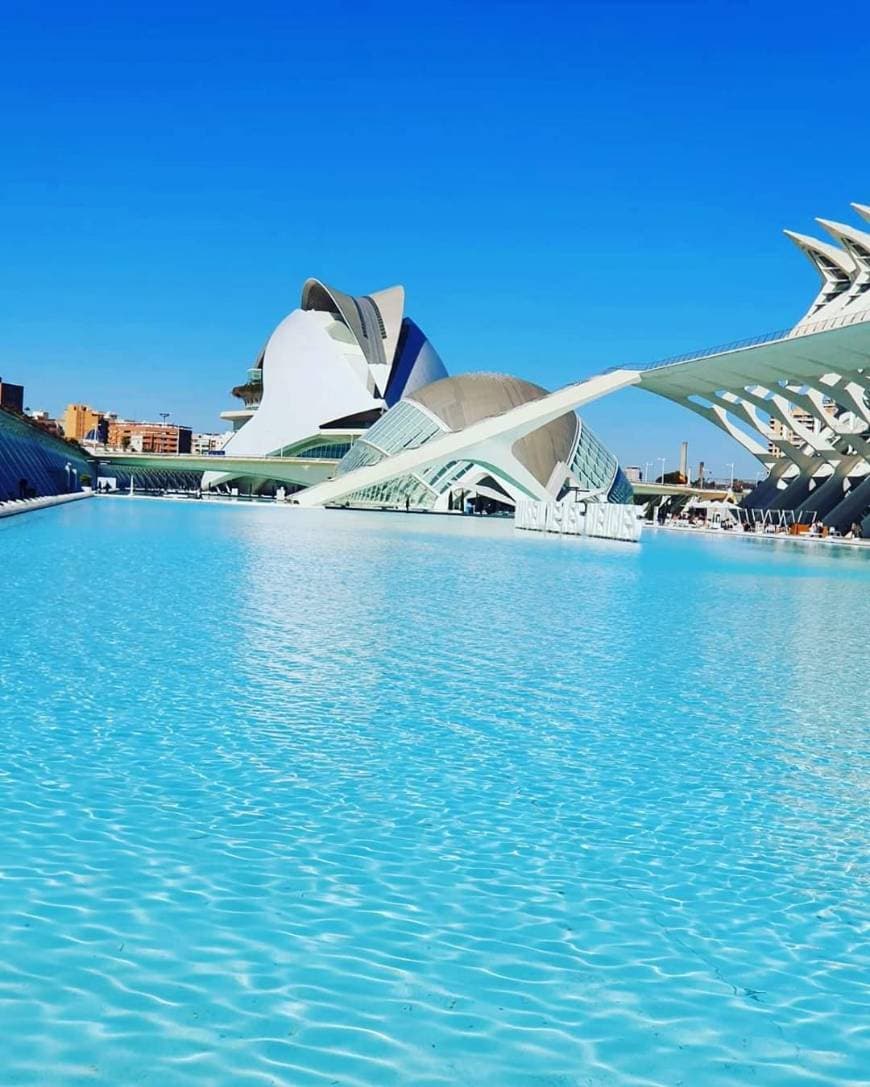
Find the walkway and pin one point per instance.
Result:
(305, 471)
(26, 505)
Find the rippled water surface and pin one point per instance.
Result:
(312, 798)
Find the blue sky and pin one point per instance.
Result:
(560, 187)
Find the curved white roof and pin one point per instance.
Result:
(374, 319)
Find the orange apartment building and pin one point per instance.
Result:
(148, 437)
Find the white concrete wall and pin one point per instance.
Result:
(309, 378)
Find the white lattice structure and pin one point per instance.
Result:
(798, 401)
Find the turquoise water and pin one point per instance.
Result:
(312, 798)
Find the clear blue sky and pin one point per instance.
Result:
(560, 187)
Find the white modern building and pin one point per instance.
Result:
(202, 443)
(354, 380)
(797, 400)
(546, 463)
(328, 371)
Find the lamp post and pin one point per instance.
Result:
(730, 464)
(647, 464)
(662, 459)
(164, 415)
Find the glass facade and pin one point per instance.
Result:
(34, 463)
(360, 455)
(407, 425)
(317, 449)
(621, 490)
(408, 491)
(593, 466)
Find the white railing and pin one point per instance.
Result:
(808, 329)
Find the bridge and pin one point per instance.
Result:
(302, 471)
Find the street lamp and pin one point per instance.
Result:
(164, 443)
(730, 464)
(647, 464)
(662, 459)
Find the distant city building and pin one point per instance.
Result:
(44, 420)
(804, 423)
(633, 474)
(208, 443)
(137, 437)
(79, 420)
(11, 396)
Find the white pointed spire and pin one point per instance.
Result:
(823, 255)
(857, 242)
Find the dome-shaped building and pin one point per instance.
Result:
(561, 455)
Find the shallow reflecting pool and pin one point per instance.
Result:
(311, 798)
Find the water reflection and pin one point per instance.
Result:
(328, 797)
